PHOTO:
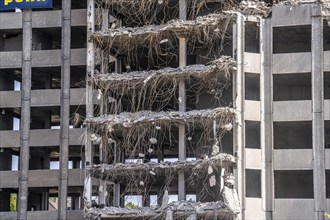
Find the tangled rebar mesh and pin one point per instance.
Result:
(141, 132)
(155, 90)
(160, 42)
(145, 12)
(138, 118)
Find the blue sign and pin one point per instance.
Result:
(24, 4)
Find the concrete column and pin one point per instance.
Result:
(318, 113)
(25, 115)
(89, 100)
(75, 202)
(238, 95)
(65, 108)
(266, 122)
(105, 62)
(182, 102)
(46, 159)
(45, 200)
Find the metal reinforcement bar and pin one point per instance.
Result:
(65, 108)
(25, 115)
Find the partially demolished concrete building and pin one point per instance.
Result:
(165, 109)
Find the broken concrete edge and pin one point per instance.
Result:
(174, 26)
(218, 208)
(225, 66)
(249, 7)
(128, 119)
(118, 170)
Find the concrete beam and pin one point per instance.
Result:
(293, 159)
(41, 178)
(282, 63)
(42, 19)
(291, 209)
(41, 138)
(292, 110)
(253, 158)
(41, 98)
(289, 15)
(252, 110)
(41, 215)
(41, 58)
(252, 62)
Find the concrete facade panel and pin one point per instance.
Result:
(46, 58)
(12, 59)
(252, 110)
(77, 96)
(9, 139)
(51, 97)
(10, 99)
(292, 209)
(78, 57)
(43, 19)
(252, 62)
(253, 158)
(327, 159)
(41, 138)
(41, 58)
(292, 63)
(253, 209)
(326, 64)
(46, 19)
(292, 110)
(78, 17)
(10, 21)
(293, 159)
(327, 109)
(291, 15)
(41, 215)
(9, 179)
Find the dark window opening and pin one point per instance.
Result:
(293, 135)
(253, 183)
(252, 86)
(295, 86)
(294, 184)
(293, 39)
(252, 134)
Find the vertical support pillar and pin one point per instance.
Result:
(105, 63)
(89, 101)
(239, 127)
(266, 122)
(65, 108)
(318, 113)
(182, 102)
(25, 115)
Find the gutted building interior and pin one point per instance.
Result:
(167, 109)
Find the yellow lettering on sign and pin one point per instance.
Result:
(8, 1)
